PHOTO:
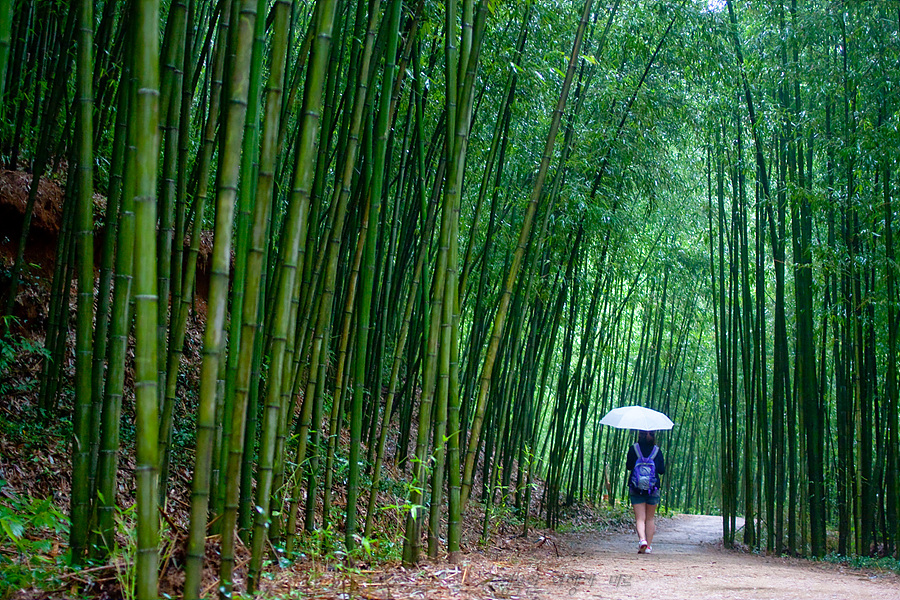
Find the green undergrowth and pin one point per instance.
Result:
(51, 436)
(18, 388)
(884, 563)
(17, 352)
(581, 518)
(13, 347)
(326, 545)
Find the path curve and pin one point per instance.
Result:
(689, 563)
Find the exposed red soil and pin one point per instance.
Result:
(43, 235)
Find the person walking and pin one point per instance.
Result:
(644, 465)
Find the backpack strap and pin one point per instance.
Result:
(654, 452)
(637, 450)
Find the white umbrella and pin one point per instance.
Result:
(637, 417)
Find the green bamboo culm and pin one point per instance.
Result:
(226, 194)
(186, 137)
(438, 366)
(287, 392)
(226, 40)
(6, 18)
(171, 84)
(108, 272)
(122, 192)
(171, 106)
(257, 247)
(84, 244)
(473, 35)
(422, 459)
(145, 121)
(368, 272)
(245, 204)
(182, 308)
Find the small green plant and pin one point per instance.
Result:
(123, 552)
(29, 552)
(395, 487)
(320, 543)
(376, 549)
(502, 514)
(19, 515)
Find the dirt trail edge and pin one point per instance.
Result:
(688, 562)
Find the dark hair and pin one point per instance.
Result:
(648, 436)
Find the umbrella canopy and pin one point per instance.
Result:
(637, 417)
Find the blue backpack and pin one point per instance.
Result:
(644, 478)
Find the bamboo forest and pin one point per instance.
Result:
(345, 274)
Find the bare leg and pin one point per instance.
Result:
(640, 516)
(650, 526)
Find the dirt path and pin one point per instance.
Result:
(688, 563)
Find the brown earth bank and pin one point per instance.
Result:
(43, 235)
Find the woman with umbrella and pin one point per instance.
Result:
(644, 466)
